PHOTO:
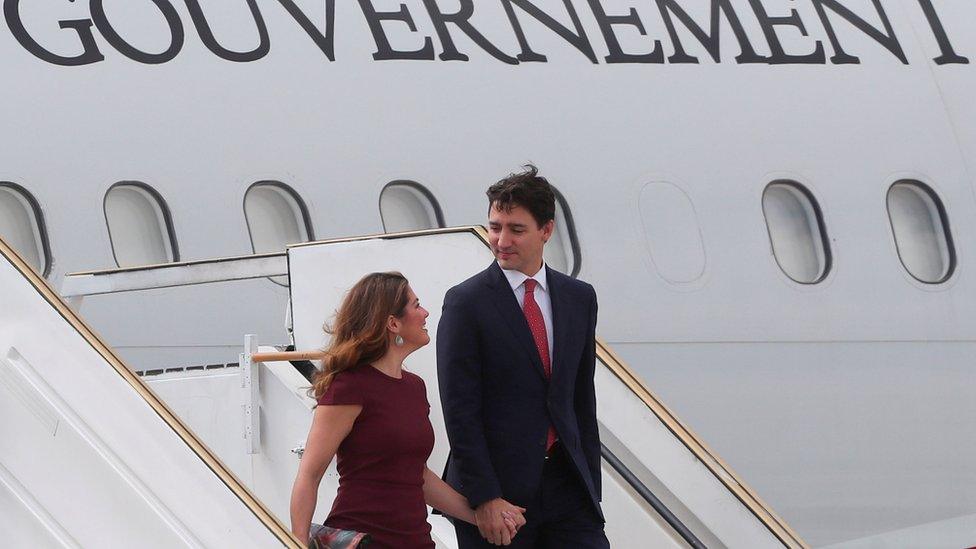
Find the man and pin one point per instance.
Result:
(515, 360)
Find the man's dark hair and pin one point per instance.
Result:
(526, 189)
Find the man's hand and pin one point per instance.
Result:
(491, 518)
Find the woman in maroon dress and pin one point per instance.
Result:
(374, 416)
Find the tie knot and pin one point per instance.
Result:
(530, 285)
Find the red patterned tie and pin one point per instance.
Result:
(537, 325)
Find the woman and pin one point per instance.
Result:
(374, 415)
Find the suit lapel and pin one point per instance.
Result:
(560, 322)
(504, 299)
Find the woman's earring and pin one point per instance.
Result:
(398, 341)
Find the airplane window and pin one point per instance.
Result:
(671, 232)
(921, 231)
(276, 216)
(796, 231)
(139, 225)
(409, 206)
(562, 252)
(22, 226)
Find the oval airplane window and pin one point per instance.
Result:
(409, 206)
(671, 232)
(562, 252)
(139, 225)
(22, 226)
(921, 230)
(276, 217)
(796, 231)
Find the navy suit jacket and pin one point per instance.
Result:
(496, 399)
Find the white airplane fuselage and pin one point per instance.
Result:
(845, 403)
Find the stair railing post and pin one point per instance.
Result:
(251, 393)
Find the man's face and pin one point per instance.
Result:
(516, 239)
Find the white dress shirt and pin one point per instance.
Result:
(517, 280)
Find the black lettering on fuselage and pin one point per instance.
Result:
(578, 40)
(709, 40)
(674, 14)
(206, 34)
(949, 56)
(325, 42)
(128, 50)
(886, 39)
(89, 54)
(385, 51)
(617, 55)
(461, 20)
(769, 24)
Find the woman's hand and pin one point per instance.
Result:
(493, 518)
(302, 536)
(514, 521)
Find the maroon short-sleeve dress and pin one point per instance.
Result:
(381, 461)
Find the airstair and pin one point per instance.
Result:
(91, 457)
(244, 424)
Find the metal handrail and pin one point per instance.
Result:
(287, 356)
(652, 500)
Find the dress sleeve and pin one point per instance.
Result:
(423, 390)
(344, 389)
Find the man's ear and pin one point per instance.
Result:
(547, 229)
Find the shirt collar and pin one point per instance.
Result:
(516, 278)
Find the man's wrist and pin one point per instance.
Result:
(486, 503)
(482, 499)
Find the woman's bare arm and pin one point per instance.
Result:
(441, 496)
(330, 425)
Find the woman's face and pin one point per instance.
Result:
(413, 324)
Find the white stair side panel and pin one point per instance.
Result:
(209, 402)
(38, 458)
(112, 459)
(628, 514)
(623, 414)
(24, 522)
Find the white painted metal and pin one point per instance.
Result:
(25, 522)
(952, 533)
(793, 365)
(166, 276)
(672, 233)
(87, 462)
(210, 403)
(250, 395)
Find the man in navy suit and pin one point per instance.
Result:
(515, 361)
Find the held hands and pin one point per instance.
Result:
(513, 521)
(499, 521)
